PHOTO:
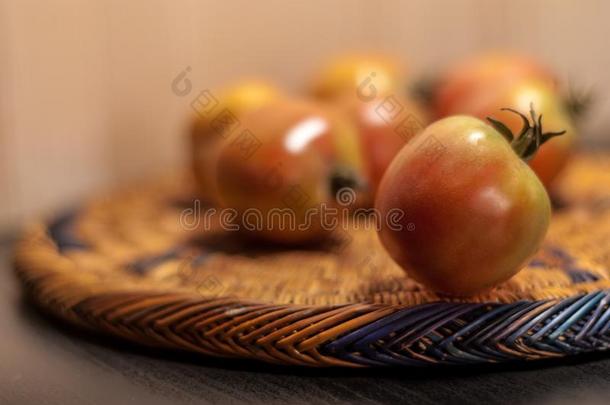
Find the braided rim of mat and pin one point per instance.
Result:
(109, 268)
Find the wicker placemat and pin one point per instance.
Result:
(137, 264)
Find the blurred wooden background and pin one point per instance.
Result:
(85, 85)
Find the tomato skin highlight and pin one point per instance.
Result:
(474, 212)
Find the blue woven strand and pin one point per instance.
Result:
(61, 231)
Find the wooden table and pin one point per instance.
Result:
(45, 361)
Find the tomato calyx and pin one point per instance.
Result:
(530, 138)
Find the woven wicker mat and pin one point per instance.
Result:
(134, 264)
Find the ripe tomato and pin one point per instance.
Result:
(368, 74)
(482, 75)
(207, 135)
(553, 156)
(473, 212)
(385, 125)
(305, 155)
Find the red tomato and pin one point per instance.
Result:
(305, 155)
(473, 212)
(482, 75)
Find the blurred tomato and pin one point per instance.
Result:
(208, 132)
(368, 75)
(479, 76)
(306, 154)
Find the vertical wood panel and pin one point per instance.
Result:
(59, 102)
(428, 34)
(277, 39)
(575, 36)
(8, 209)
(140, 53)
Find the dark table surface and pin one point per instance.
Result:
(43, 360)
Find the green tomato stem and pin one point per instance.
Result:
(531, 137)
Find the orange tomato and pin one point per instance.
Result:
(368, 74)
(306, 154)
(208, 133)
